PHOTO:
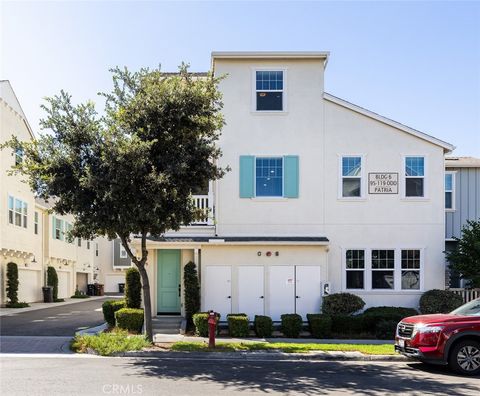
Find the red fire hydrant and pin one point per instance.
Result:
(212, 327)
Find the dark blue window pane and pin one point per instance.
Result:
(269, 177)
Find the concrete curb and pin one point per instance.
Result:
(262, 355)
(93, 330)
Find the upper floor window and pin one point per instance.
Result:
(58, 229)
(18, 155)
(269, 177)
(351, 176)
(123, 252)
(68, 229)
(383, 269)
(17, 212)
(414, 176)
(79, 242)
(355, 263)
(96, 249)
(269, 90)
(449, 190)
(88, 245)
(35, 225)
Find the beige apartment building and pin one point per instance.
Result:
(30, 235)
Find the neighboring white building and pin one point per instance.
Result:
(322, 194)
(30, 236)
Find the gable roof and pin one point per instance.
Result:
(447, 147)
(7, 94)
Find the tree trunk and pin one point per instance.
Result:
(147, 303)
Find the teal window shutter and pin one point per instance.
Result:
(247, 173)
(53, 227)
(290, 181)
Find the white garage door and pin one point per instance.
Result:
(250, 290)
(281, 295)
(308, 290)
(63, 284)
(112, 281)
(218, 289)
(29, 286)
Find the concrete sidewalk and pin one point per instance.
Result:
(41, 305)
(171, 338)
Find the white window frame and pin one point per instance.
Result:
(454, 176)
(18, 154)
(425, 178)
(362, 196)
(88, 245)
(59, 229)
(273, 197)
(96, 249)
(13, 211)
(394, 270)
(420, 270)
(283, 69)
(36, 222)
(123, 253)
(345, 269)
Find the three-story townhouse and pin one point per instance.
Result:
(323, 196)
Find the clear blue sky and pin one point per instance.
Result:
(415, 62)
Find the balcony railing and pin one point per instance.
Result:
(205, 204)
(467, 294)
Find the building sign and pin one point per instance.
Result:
(382, 183)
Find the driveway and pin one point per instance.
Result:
(48, 330)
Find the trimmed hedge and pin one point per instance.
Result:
(200, 321)
(385, 329)
(238, 325)
(373, 316)
(320, 325)
(133, 288)
(342, 304)
(12, 284)
(109, 308)
(291, 325)
(439, 301)
(130, 319)
(348, 325)
(263, 326)
(191, 288)
(52, 280)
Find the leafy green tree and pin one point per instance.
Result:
(131, 171)
(465, 259)
(12, 283)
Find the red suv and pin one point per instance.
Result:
(452, 339)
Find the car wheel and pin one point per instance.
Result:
(465, 357)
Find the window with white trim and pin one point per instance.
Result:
(68, 229)
(35, 225)
(79, 242)
(269, 90)
(58, 229)
(96, 249)
(18, 155)
(351, 176)
(450, 190)
(88, 245)
(383, 269)
(355, 267)
(414, 176)
(411, 269)
(17, 212)
(123, 252)
(269, 176)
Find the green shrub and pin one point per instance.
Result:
(342, 304)
(133, 288)
(200, 321)
(191, 288)
(291, 325)
(12, 284)
(348, 325)
(238, 325)
(320, 325)
(373, 316)
(130, 319)
(439, 301)
(385, 329)
(109, 308)
(263, 326)
(52, 280)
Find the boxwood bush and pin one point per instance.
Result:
(373, 316)
(130, 319)
(109, 308)
(439, 301)
(238, 325)
(200, 321)
(385, 329)
(263, 326)
(291, 325)
(348, 325)
(320, 325)
(342, 304)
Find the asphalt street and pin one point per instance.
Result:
(76, 375)
(62, 320)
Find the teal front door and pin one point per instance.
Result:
(168, 281)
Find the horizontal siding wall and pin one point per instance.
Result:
(467, 200)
